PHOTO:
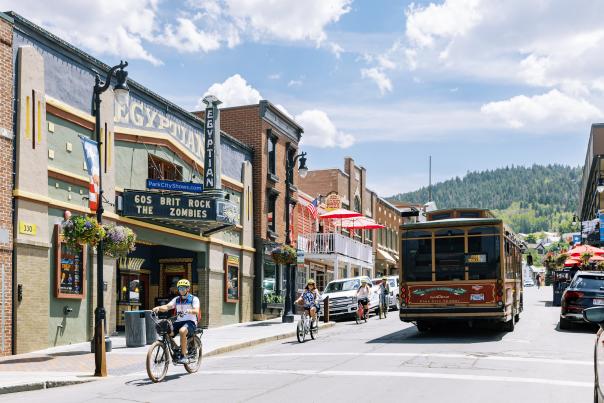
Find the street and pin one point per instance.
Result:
(382, 360)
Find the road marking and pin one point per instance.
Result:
(396, 374)
(427, 355)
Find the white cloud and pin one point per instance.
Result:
(448, 20)
(550, 108)
(320, 131)
(274, 76)
(378, 76)
(234, 91)
(187, 38)
(294, 83)
(114, 28)
(291, 20)
(336, 49)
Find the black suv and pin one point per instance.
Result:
(585, 290)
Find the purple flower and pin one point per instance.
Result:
(88, 225)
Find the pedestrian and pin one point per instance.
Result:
(538, 281)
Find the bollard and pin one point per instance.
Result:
(326, 309)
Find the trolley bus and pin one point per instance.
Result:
(460, 264)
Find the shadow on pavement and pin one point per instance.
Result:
(263, 324)
(453, 334)
(26, 360)
(69, 353)
(578, 328)
(147, 381)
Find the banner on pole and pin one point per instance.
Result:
(91, 156)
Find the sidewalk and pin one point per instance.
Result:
(74, 363)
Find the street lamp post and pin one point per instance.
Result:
(575, 219)
(121, 91)
(288, 316)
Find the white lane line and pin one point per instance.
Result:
(395, 374)
(427, 355)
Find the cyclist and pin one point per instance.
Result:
(363, 295)
(187, 311)
(384, 292)
(311, 299)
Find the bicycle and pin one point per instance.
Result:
(305, 327)
(165, 350)
(384, 305)
(361, 313)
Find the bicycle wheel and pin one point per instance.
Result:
(300, 333)
(314, 331)
(194, 348)
(157, 361)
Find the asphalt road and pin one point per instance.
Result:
(382, 360)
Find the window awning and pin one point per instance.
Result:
(382, 255)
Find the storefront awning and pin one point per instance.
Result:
(382, 255)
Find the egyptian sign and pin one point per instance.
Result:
(462, 293)
(138, 114)
(140, 204)
(212, 178)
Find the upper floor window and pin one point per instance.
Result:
(272, 152)
(159, 168)
(271, 212)
(357, 204)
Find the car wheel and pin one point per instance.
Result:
(565, 324)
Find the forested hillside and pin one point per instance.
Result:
(530, 199)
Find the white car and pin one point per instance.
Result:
(394, 293)
(528, 282)
(342, 295)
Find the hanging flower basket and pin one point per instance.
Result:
(119, 241)
(82, 230)
(284, 255)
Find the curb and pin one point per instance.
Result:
(26, 387)
(252, 343)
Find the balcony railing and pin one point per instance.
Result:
(332, 243)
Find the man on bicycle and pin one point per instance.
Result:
(187, 311)
(311, 299)
(363, 295)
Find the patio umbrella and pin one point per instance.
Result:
(596, 258)
(341, 213)
(361, 223)
(581, 249)
(571, 262)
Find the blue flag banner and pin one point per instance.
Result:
(91, 156)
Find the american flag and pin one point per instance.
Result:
(312, 208)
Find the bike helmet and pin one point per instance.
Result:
(363, 281)
(310, 281)
(183, 283)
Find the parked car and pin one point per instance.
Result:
(394, 290)
(596, 315)
(528, 282)
(342, 296)
(585, 290)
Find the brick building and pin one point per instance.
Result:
(6, 183)
(356, 252)
(273, 137)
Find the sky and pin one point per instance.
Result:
(476, 84)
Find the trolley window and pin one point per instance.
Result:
(417, 259)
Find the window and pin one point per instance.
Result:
(417, 234)
(440, 216)
(270, 215)
(469, 214)
(357, 204)
(484, 231)
(450, 259)
(159, 168)
(484, 245)
(417, 259)
(272, 152)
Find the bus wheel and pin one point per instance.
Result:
(509, 325)
(517, 317)
(422, 326)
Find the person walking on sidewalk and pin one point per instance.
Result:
(187, 313)
(538, 281)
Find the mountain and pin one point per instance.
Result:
(529, 199)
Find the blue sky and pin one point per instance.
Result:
(476, 84)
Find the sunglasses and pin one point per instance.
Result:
(183, 288)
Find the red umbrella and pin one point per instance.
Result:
(581, 249)
(341, 213)
(596, 258)
(571, 262)
(361, 223)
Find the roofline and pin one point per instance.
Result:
(104, 68)
(451, 223)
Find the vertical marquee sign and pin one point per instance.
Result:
(212, 174)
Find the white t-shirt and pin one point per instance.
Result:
(191, 302)
(363, 292)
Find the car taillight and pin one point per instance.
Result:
(572, 295)
(403, 296)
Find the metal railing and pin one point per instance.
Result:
(332, 243)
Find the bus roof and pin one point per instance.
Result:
(452, 222)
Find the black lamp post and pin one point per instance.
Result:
(575, 219)
(288, 316)
(121, 91)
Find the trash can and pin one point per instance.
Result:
(150, 328)
(136, 334)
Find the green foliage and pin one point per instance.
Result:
(531, 238)
(529, 199)
(82, 230)
(119, 241)
(284, 255)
